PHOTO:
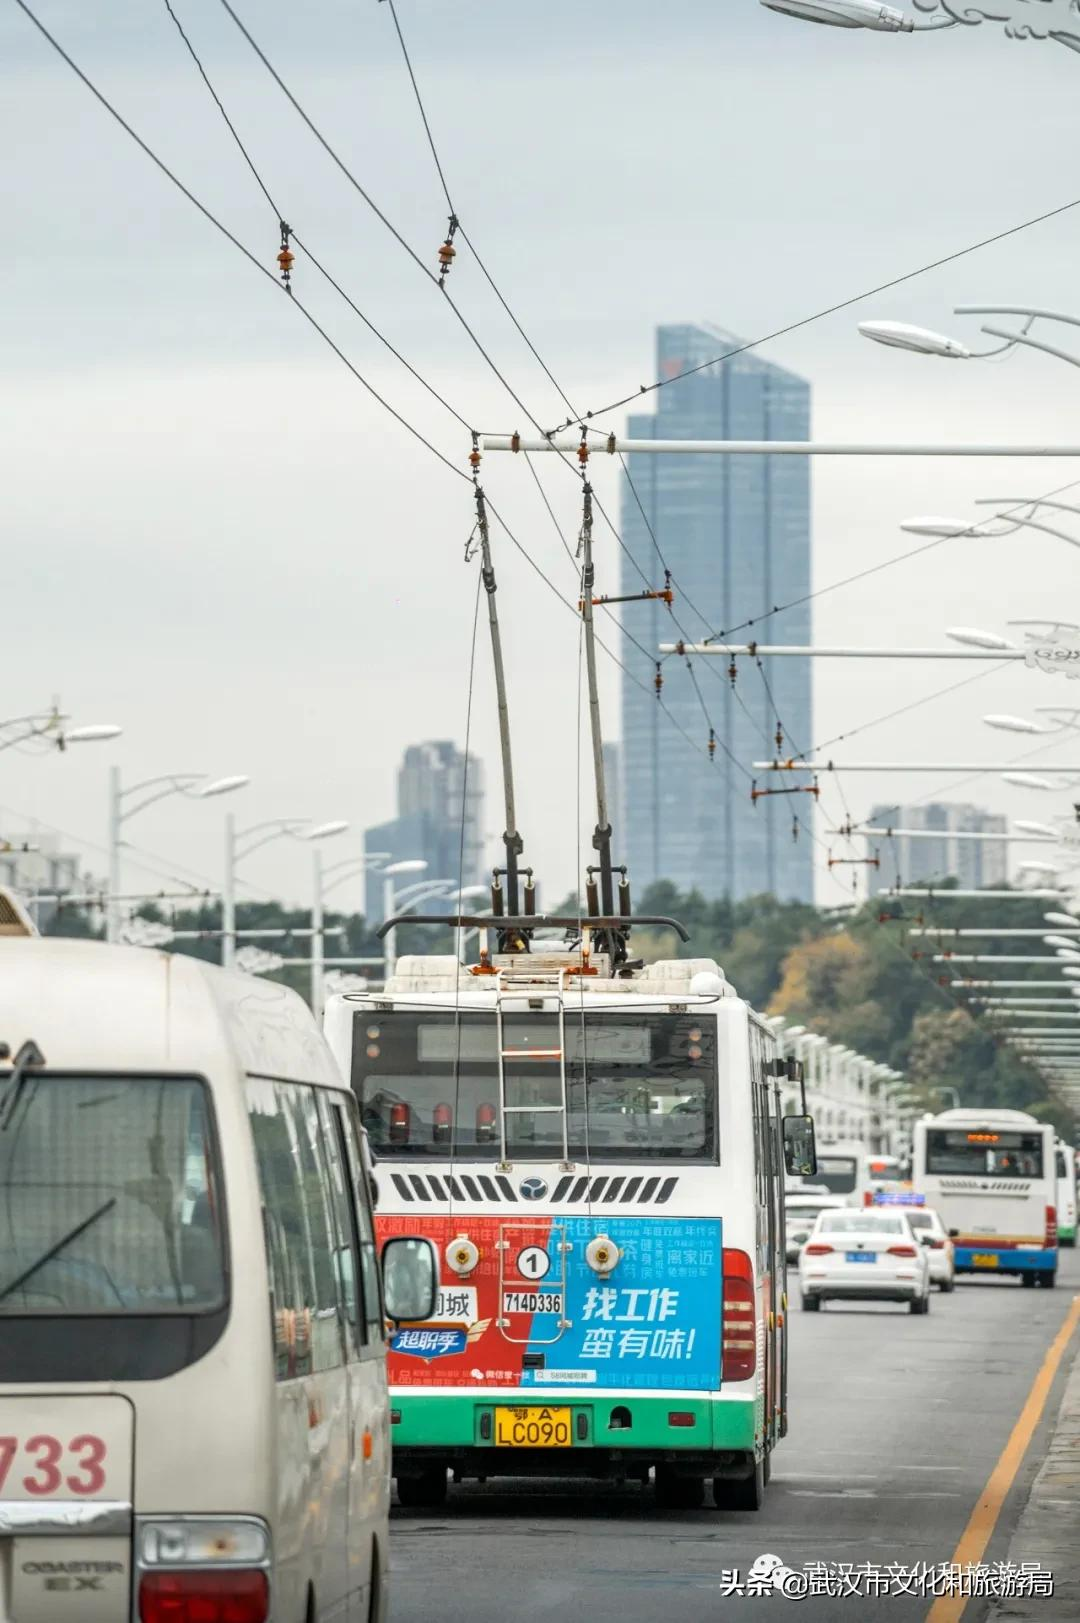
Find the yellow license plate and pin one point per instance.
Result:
(532, 1428)
(984, 1259)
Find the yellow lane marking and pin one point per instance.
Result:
(979, 1530)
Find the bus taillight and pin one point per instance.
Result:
(399, 1124)
(485, 1124)
(739, 1327)
(1051, 1228)
(442, 1118)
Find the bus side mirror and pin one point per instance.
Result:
(800, 1153)
(410, 1271)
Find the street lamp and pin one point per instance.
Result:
(343, 870)
(189, 784)
(395, 900)
(845, 14)
(953, 528)
(924, 341)
(276, 828)
(48, 726)
(1022, 20)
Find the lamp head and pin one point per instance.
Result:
(919, 340)
(222, 786)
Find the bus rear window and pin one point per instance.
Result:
(838, 1173)
(428, 1085)
(109, 1198)
(984, 1154)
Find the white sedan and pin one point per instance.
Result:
(864, 1255)
(931, 1232)
(800, 1214)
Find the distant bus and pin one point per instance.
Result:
(991, 1174)
(1065, 1169)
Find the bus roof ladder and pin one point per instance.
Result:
(517, 981)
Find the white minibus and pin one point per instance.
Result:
(990, 1175)
(193, 1405)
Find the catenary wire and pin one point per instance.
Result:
(370, 201)
(247, 253)
(454, 215)
(829, 310)
(300, 242)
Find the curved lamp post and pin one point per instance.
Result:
(190, 784)
(47, 725)
(239, 845)
(1048, 19)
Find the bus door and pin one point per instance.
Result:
(767, 1233)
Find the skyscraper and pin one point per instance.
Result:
(977, 864)
(735, 533)
(433, 798)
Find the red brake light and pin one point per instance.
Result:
(485, 1123)
(937, 1245)
(817, 1250)
(204, 1597)
(399, 1124)
(903, 1251)
(442, 1118)
(739, 1328)
(1051, 1227)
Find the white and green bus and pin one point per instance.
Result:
(600, 1162)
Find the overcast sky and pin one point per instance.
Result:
(214, 536)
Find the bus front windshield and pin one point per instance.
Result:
(108, 1197)
(639, 1085)
(984, 1152)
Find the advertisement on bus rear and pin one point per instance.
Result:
(628, 1303)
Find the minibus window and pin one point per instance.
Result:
(346, 1240)
(344, 1110)
(109, 1199)
(298, 1227)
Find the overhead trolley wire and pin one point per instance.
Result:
(456, 221)
(301, 243)
(230, 237)
(818, 315)
(370, 201)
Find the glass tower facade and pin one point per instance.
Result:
(735, 533)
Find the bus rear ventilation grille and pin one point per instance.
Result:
(570, 1190)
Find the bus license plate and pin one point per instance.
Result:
(860, 1256)
(532, 1428)
(533, 1302)
(985, 1259)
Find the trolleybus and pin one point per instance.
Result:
(600, 1162)
(991, 1176)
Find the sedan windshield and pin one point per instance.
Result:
(856, 1223)
(108, 1198)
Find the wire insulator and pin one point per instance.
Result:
(515, 441)
(448, 253)
(712, 744)
(658, 679)
(286, 257)
(779, 736)
(733, 671)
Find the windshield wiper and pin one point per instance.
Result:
(28, 1058)
(54, 1250)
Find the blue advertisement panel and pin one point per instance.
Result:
(652, 1324)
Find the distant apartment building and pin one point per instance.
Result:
(440, 819)
(735, 533)
(975, 864)
(36, 865)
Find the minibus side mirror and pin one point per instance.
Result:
(954, 1234)
(800, 1154)
(410, 1270)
